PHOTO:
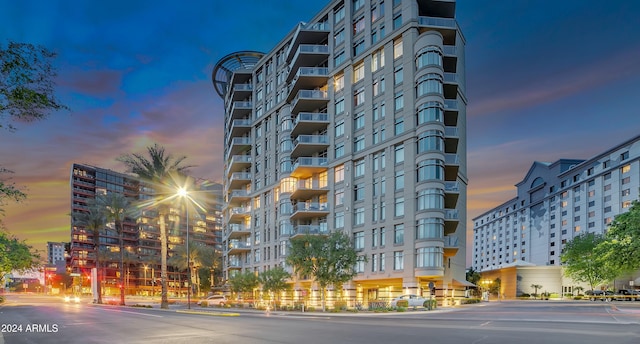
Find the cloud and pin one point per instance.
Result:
(97, 83)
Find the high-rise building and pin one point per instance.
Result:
(355, 121)
(141, 239)
(55, 252)
(554, 203)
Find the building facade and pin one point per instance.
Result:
(556, 202)
(141, 239)
(355, 121)
(55, 252)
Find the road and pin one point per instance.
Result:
(545, 322)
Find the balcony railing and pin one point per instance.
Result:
(311, 139)
(311, 94)
(239, 244)
(312, 206)
(310, 229)
(451, 214)
(440, 22)
(312, 117)
(450, 241)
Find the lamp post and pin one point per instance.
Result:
(184, 194)
(145, 276)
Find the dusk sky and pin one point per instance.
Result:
(546, 79)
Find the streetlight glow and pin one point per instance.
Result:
(183, 193)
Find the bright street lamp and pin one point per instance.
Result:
(183, 193)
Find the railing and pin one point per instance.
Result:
(239, 210)
(310, 161)
(451, 104)
(311, 94)
(451, 187)
(310, 184)
(450, 241)
(451, 159)
(239, 193)
(312, 117)
(451, 132)
(449, 50)
(241, 141)
(451, 78)
(441, 22)
(310, 229)
(240, 176)
(313, 206)
(239, 244)
(451, 214)
(243, 87)
(322, 139)
(313, 48)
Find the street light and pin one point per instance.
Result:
(183, 193)
(145, 276)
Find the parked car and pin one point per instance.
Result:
(213, 300)
(602, 295)
(414, 300)
(626, 295)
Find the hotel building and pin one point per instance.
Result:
(355, 121)
(140, 235)
(554, 203)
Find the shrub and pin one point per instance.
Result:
(470, 301)
(525, 295)
(1, 299)
(373, 305)
(401, 309)
(402, 303)
(434, 304)
(578, 297)
(142, 306)
(340, 305)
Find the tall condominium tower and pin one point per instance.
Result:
(355, 121)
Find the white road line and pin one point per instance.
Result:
(121, 311)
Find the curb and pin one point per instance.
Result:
(219, 314)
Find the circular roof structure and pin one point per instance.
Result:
(225, 67)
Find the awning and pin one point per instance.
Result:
(463, 283)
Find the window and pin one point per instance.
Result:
(430, 228)
(338, 14)
(399, 207)
(358, 192)
(397, 48)
(358, 72)
(358, 97)
(358, 121)
(607, 187)
(358, 143)
(626, 204)
(429, 84)
(338, 38)
(338, 174)
(429, 257)
(378, 87)
(398, 234)
(357, 4)
(397, 20)
(399, 180)
(374, 237)
(626, 192)
(358, 47)
(382, 261)
(377, 60)
(398, 127)
(377, 11)
(624, 156)
(626, 180)
(338, 83)
(398, 103)
(430, 112)
(339, 106)
(339, 130)
(625, 169)
(374, 262)
(431, 140)
(430, 199)
(358, 241)
(399, 154)
(379, 161)
(398, 76)
(383, 233)
(398, 260)
(339, 219)
(338, 58)
(358, 170)
(339, 150)
(339, 197)
(358, 25)
(429, 56)
(358, 216)
(430, 169)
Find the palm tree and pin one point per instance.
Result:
(117, 208)
(94, 220)
(199, 255)
(161, 171)
(536, 287)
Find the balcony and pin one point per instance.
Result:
(316, 33)
(451, 194)
(451, 220)
(306, 145)
(451, 110)
(238, 214)
(236, 230)
(308, 78)
(309, 122)
(309, 188)
(305, 167)
(236, 247)
(238, 195)
(308, 55)
(308, 210)
(239, 127)
(241, 91)
(451, 139)
(234, 264)
(239, 145)
(309, 230)
(451, 83)
(238, 163)
(309, 101)
(450, 245)
(240, 109)
(446, 26)
(451, 166)
(238, 179)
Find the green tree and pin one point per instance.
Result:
(244, 283)
(26, 84)
(329, 260)
(275, 281)
(621, 250)
(535, 289)
(200, 255)
(94, 220)
(163, 173)
(583, 260)
(8, 190)
(117, 208)
(15, 254)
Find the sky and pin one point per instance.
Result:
(546, 80)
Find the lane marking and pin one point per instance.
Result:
(136, 313)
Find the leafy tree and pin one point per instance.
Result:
(330, 260)
(474, 277)
(162, 172)
(200, 256)
(15, 254)
(275, 281)
(117, 208)
(244, 282)
(93, 220)
(9, 191)
(26, 84)
(621, 250)
(583, 260)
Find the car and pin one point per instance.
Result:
(602, 295)
(213, 300)
(413, 300)
(626, 295)
(71, 299)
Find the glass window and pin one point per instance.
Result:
(358, 72)
(338, 38)
(430, 169)
(430, 112)
(358, 170)
(399, 206)
(377, 60)
(358, 240)
(429, 84)
(431, 140)
(399, 154)
(397, 48)
(358, 216)
(398, 234)
(430, 228)
(429, 257)
(340, 128)
(338, 82)
(430, 199)
(398, 76)
(398, 260)
(429, 56)
(338, 174)
(399, 180)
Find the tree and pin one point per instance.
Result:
(200, 256)
(9, 190)
(162, 172)
(474, 277)
(244, 282)
(117, 208)
(93, 220)
(621, 250)
(330, 260)
(275, 281)
(583, 260)
(26, 84)
(15, 254)
(535, 288)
